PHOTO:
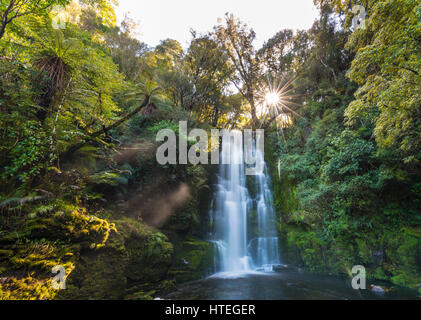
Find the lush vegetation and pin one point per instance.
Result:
(350, 170)
(80, 107)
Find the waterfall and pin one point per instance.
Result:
(267, 247)
(243, 223)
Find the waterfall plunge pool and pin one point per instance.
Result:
(290, 285)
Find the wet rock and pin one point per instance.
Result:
(283, 267)
(378, 289)
(193, 260)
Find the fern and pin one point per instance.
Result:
(10, 202)
(109, 178)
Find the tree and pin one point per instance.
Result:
(128, 52)
(236, 39)
(13, 9)
(285, 52)
(276, 54)
(195, 80)
(387, 67)
(208, 71)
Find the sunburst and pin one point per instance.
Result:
(275, 101)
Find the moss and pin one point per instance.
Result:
(193, 260)
(396, 263)
(132, 264)
(378, 273)
(152, 288)
(70, 222)
(140, 295)
(149, 261)
(389, 250)
(185, 219)
(5, 253)
(99, 274)
(102, 259)
(72, 238)
(403, 250)
(166, 286)
(45, 243)
(27, 288)
(185, 276)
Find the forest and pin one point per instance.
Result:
(82, 100)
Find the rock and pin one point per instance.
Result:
(378, 289)
(193, 260)
(133, 264)
(283, 267)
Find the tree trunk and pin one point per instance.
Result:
(215, 118)
(2, 30)
(253, 112)
(5, 18)
(96, 134)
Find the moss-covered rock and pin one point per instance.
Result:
(134, 258)
(54, 239)
(150, 259)
(102, 259)
(193, 260)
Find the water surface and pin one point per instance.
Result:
(279, 286)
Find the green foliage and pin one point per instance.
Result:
(108, 178)
(344, 194)
(11, 10)
(193, 260)
(387, 67)
(28, 154)
(165, 124)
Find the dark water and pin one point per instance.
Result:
(277, 286)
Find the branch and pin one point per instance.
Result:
(14, 5)
(4, 18)
(104, 130)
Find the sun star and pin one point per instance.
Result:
(272, 98)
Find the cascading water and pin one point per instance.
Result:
(267, 248)
(230, 212)
(243, 241)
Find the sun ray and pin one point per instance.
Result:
(276, 104)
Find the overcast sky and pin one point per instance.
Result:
(162, 19)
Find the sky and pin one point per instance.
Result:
(162, 19)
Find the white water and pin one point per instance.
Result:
(237, 249)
